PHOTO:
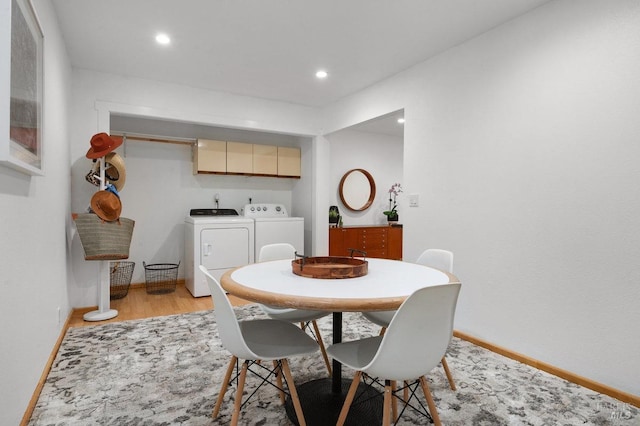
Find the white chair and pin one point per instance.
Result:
(305, 317)
(415, 341)
(254, 341)
(435, 258)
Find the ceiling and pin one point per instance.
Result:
(385, 124)
(272, 48)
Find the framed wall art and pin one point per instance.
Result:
(21, 77)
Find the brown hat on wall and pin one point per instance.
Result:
(106, 205)
(102, 144)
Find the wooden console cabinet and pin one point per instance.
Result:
(381, 241)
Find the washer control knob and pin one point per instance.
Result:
(278, 208)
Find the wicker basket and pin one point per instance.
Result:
(161, 278)
(120, 274)
(104, 240)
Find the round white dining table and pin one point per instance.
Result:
(385, 286)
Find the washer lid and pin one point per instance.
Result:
(213, 212)
(220, 220)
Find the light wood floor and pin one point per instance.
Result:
(139, 304)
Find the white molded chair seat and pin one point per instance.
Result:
(414, 343)
(434, 258)
(255, 341)
(292, 315)
(281, 251)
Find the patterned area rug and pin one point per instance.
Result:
(167, 371)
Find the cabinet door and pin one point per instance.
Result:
(342, 240)
(210, 157)
(239, 157)
(395, 243)
(351, 241)
(265, 160)
(288, 161)
(336, 242)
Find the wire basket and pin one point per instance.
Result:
(161, 278)
(120, 274)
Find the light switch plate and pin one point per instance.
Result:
(414, 200)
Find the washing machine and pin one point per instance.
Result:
(274, 225)
(219, 239)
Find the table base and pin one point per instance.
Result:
(322, 407)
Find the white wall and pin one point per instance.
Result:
(160, 187)
(523, 146)
(302, 195)
(380, 155)
(33, 252)
(521, 143)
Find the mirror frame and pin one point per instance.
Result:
(372, 190)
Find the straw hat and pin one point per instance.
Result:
(102, 144)
(106, 205)
(115, 172)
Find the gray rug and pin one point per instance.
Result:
(167, 371)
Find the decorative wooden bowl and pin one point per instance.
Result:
(329, 267)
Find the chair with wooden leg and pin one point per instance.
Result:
(254, 341)
(305, 317)
(414, 343)
(434, 258)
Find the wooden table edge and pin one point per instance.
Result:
(314, 303)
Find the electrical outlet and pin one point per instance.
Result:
(414, 200)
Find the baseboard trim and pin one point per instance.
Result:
(142, 285)
(45, 373)
(564, 374)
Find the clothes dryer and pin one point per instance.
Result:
(219, 239)
(274, 225)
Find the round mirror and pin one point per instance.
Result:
(357, 189)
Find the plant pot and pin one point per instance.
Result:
(334, 214)
(392, 218)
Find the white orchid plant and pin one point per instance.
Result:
(395, 189)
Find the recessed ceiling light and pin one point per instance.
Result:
(401, 120)
(322, 74)
(163, 39)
